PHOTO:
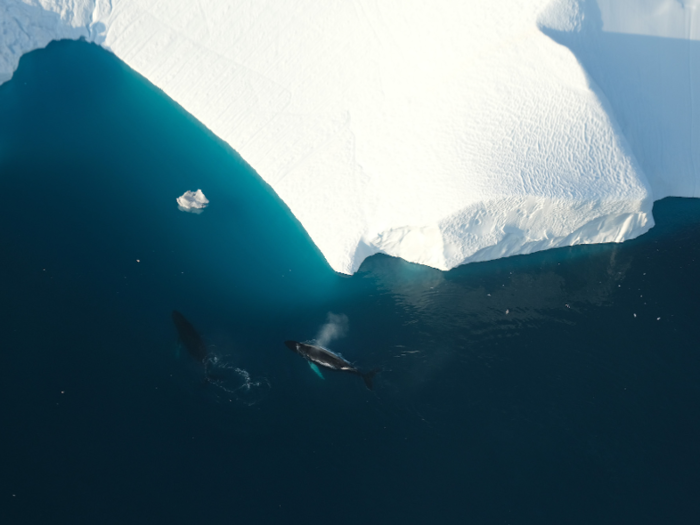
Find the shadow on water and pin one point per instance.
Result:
(555, 387)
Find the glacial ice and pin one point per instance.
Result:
(192, 201)
(441, 132)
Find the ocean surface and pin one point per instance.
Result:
(556, 388)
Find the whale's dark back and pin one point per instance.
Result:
(318, 354)
(189, 337)
(324, 357)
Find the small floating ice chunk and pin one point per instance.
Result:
(192, 201)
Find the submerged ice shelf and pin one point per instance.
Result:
(442, 133)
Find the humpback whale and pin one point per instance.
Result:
(317, 355)
(189, 337)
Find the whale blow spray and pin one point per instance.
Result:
(336, 327)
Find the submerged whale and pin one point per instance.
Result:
(317, 355)
(189, 337)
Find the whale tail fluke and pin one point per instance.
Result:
(368, 376)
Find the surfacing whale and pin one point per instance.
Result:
(189, 337)
(327, 359)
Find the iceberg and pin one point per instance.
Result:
(440, 132)
(192, 201)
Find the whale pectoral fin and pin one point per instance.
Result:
(316, 370)
(368, 376)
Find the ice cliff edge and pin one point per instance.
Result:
(440, 132)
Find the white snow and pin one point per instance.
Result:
(441, 132)
(192, 201)
(645, 56)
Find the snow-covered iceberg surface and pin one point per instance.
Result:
(645, 56)
(440, 132)
(192, 201)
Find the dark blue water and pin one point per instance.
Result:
(561, 387)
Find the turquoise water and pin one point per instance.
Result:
(560, 387)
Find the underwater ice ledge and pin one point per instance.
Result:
(441, 134)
